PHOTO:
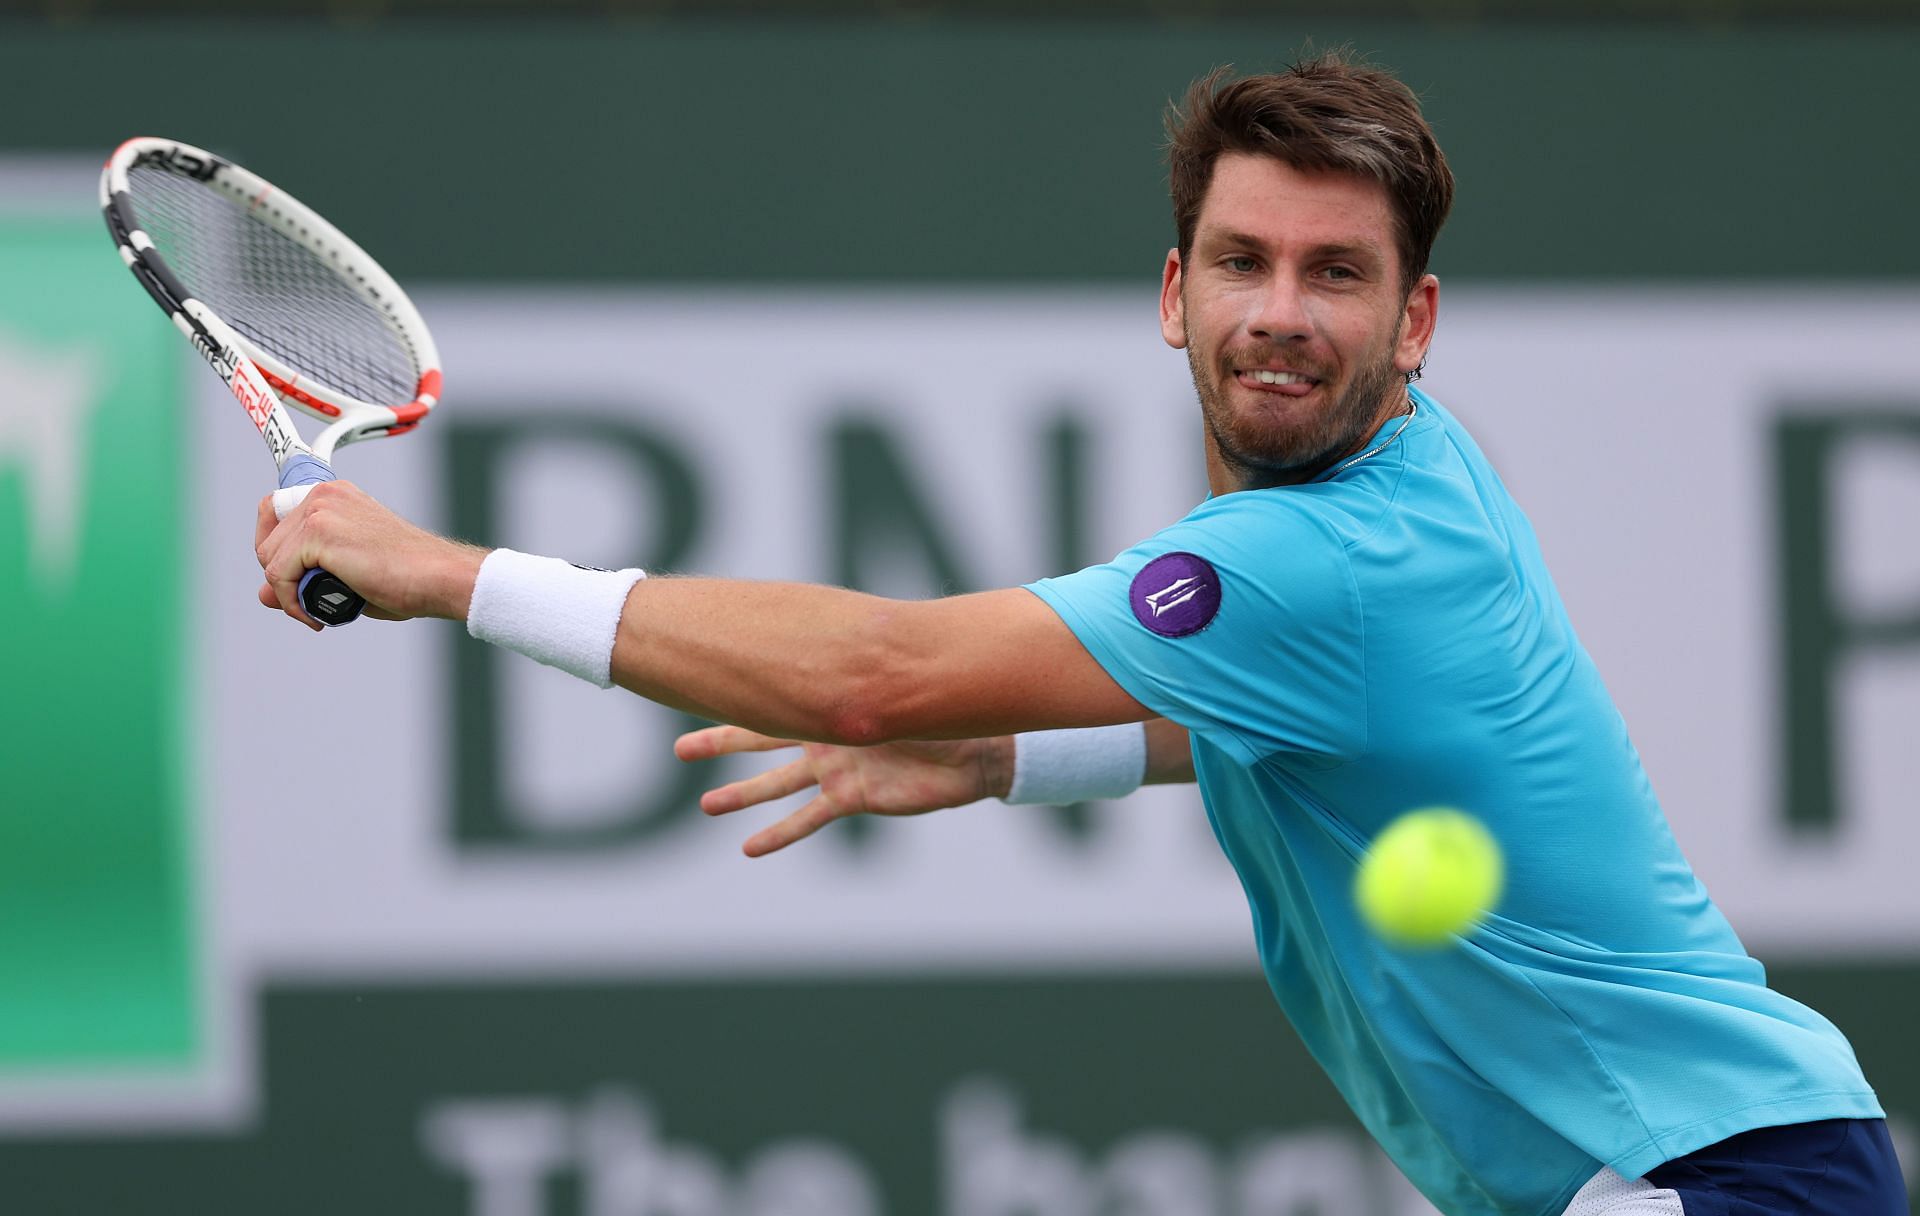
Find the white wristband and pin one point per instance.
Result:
(1060, 766)
(561, 614)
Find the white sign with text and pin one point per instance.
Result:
(1637, 427)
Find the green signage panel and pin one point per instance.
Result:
(97, 966)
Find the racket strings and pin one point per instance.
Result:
(286, 299)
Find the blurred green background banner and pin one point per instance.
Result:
(97, 957)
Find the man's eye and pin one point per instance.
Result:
(1340, 273)
(1240, 264)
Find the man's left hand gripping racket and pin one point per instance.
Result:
(282, 306)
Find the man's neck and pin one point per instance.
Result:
(1226, 475)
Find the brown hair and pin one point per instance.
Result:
(1328, 113)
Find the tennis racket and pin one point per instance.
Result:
(282, 306)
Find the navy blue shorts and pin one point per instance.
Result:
(1836, 1167)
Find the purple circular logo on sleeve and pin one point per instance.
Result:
(1176, 594)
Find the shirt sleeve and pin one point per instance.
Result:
(1241, 622)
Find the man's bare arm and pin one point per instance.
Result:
(908, 777)
(822, 663)
(785, 659)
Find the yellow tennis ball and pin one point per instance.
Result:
(1431, 874)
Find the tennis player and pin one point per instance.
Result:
(1357, 621)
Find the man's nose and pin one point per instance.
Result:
(1280, 312)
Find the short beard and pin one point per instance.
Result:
(1259, 458)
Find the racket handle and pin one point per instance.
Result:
(328, 600)
(324, 596)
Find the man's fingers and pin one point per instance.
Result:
(286, 592)
(271, 598)
(263, 524)
(280, 590)
(283, 571)
(711, 741)
(289, 594)
(797, 826)
(789, 778)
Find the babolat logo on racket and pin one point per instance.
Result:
(178, 160)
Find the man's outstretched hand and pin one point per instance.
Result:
(401, 570)
(905, 778)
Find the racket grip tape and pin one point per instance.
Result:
(323, 595)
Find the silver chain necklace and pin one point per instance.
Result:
(1383, 445)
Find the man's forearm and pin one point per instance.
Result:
(786, 659)
(827, 664)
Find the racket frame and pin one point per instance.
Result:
(349, 418)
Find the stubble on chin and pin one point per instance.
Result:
(1261, 453)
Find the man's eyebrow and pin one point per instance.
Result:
(1243, 240)
(1350, 249)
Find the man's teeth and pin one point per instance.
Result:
(1267, 377)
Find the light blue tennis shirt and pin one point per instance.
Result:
(1387, 638)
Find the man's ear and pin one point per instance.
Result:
(1416, 325)
(1173, 319)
